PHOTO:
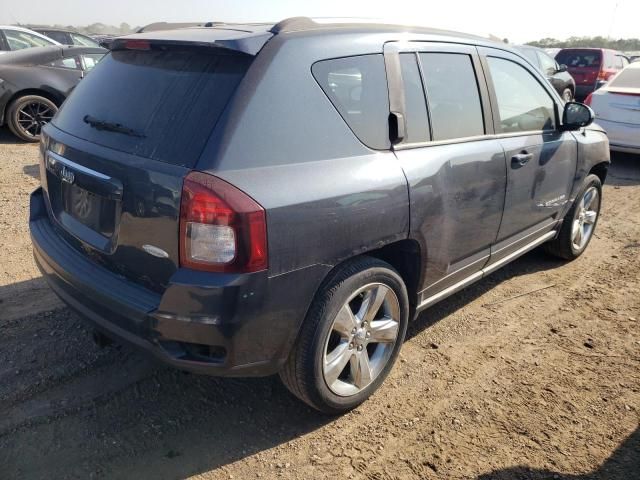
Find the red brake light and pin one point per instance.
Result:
(222, 229)
(587, 101)
(137, 45)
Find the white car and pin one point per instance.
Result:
(617, 108)
(17, 38)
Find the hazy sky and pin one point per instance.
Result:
(516, 19)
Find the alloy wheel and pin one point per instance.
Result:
(32, 116)
(584, 220)
(361, 340)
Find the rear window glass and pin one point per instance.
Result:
(453, 96)
(629, 78)
(158, 104)
(357, 87)
(580, 58)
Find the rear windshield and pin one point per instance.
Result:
(158, 104)
(628, 78)
(580, 58)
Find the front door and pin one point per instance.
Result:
(541, 159)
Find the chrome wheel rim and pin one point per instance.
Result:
(361, 340)
(584, 220)
(33, 116)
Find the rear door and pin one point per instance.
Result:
(455, 169)
(541, 159)
(119, 148)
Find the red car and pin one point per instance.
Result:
(591, 67)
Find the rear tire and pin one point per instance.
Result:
(362, 310)
(27, 115)
(579, 223)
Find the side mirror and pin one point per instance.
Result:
(562, 68)
(577, 115)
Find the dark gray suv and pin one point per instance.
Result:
(258, 199)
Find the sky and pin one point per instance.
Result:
(516, 20)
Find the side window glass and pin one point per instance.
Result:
(70, 63)
(357, 87)
(523, 104)
(453, 96)
(18, 40)
(90, 60)
(548, 64)
(416, 119)
(59, 37)
(83, 41)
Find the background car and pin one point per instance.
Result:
(591, 67)
(35, 82)
(66, 37)
(617, 108)
(557, 74)
(18, 38)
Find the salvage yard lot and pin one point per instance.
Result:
(534, 372)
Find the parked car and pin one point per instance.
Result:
(18, 38)
(66, 37)
(634, 58)
(557, 74)
(591, 67)
(35, 82)
(617, 109)
(303, 223)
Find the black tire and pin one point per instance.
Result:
(563, 246)
(567, 95)
(16, 116)
(303, 374)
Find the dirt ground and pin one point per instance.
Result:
(545, 385)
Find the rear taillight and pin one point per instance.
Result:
(587, 101)
(605, 75)
(222, 229)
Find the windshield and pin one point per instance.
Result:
(171, 100)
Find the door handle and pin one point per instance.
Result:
(521, 159)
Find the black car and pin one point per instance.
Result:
(251, 199)
(34, 82)
(557, 74)
(66, 37)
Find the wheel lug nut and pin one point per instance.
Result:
(359, 348)
(351, 346)
(354, 331)
(368, 334)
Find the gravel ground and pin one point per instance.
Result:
(545, 385)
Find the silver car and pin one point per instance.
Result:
(617, 108)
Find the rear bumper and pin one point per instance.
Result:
(623, 137)
(227, 325)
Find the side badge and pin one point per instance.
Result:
(155, 251)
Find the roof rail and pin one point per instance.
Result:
(292, 24)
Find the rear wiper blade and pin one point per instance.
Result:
(111, 127)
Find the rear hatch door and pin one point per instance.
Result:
(583, 65)
(116, 154)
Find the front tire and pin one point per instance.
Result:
(579, 223)
(350, 338)
(27, 115)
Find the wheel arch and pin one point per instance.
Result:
(600, 170)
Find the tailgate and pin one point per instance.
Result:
(115, 156)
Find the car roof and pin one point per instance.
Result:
(37, 28)
(250, 37)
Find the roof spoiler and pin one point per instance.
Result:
(250, 45)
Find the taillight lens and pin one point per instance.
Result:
(587, 101)
(222, 229)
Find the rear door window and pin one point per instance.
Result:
(452, 95)
(417, 122)
(523, 104)
(547, 64)
(580, 58)
(159, 104)
(357, 87)
(60, 37)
